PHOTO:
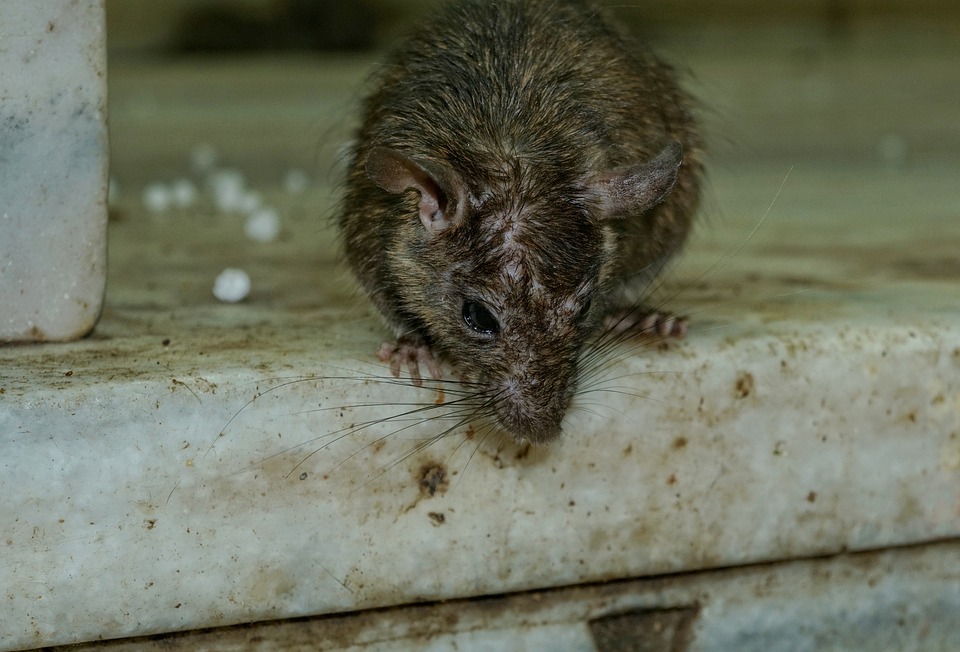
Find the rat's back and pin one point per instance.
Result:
(553, 83)
(548, 77)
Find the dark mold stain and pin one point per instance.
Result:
(432, 478)
(744, 385)
(645, 629)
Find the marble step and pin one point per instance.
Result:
(195, 464)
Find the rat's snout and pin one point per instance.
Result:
(532, 405)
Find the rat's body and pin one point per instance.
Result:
(517, 175)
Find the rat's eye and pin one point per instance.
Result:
(479, 319)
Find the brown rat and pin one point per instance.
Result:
(523, 171)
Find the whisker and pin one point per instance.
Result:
(490, 430)
(368, 424)
(463, 417)
(420, 446)
(605, 351)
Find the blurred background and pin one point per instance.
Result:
(149, 27)
(274, 83)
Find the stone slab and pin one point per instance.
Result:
(195, 464)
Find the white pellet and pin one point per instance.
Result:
(249, 201)
(228, 189)
(295, 181)
(263, 225)
(184, 192)
(227, 179)
(157, 197)
(232, 285)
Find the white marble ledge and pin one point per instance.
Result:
(814, 408)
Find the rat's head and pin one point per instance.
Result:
(507, 277)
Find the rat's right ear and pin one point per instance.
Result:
(637, 188)
(397, 173)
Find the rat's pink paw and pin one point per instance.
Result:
(653, 322)
(411, 352)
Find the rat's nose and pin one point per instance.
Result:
(532, 409)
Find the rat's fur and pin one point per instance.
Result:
(509, 156)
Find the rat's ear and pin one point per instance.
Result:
(637, 188)
(436, 185)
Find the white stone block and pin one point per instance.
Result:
(822, 422)
(53, 168)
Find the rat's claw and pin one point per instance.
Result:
(433, 366)
(673, 326)
(653, 322)
(388, 352)
(413, 368)
(409, 352)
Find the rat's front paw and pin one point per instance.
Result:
(644, 322)
(410, 351)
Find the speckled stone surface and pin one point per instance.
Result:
(195, 464)
(53, 168)
(814, 408)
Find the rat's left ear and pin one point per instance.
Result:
(633, 189)
(439, 188)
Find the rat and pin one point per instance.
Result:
(523, 171)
